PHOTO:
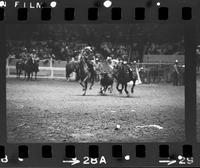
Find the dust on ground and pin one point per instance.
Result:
(55, 111)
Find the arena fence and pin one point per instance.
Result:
(158, 72)
(148, 72)
(50, 69)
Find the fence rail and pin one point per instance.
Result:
(51, 69)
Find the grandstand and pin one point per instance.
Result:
(64, 41)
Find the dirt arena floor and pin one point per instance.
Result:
(198, 107)
(54, 111)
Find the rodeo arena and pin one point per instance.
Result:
(95, 83)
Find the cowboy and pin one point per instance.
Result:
(135, 68)
(176, 73)
(130, 70)
(120, 63)
(97, 68)
(108, 68)
(97, 64)
(109, 63)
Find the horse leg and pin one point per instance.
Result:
(101, 90)
(86, 84)
(105, 89)
(31, 75)
(24, 75)
(111, 87)
(85, 89)
(119, 90)
(67, 76)
(17, 74)
(117, 86)
(27, 76)
(125, 89)
(92, 83)
(82, 85)
(132, 88)
(35, 75)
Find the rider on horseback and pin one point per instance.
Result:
(86, 72)
(29, 59)
(107, 67)
(90, 68)
(133, 69)
(35, 60)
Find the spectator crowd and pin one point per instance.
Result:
(165, 48)
(62, 50)
(64, 42)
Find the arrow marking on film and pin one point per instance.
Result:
(169, 162)
(73, 161)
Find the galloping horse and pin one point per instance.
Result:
(123, 74)
(86, 74)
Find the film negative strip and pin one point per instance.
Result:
(100, 83)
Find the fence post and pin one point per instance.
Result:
(51, 67)
(7, 67)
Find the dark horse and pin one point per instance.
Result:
(86, 74)
(35, 68)
(20, 66)
(29, 67)
(124, 74)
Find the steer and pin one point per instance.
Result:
(106, 82)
